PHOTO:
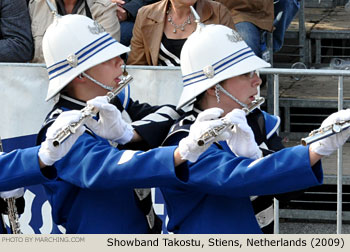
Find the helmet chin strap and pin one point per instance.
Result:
(218, 86)
(97, 82)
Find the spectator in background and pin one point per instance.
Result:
(251, 18)
(126, 12)
(254, 18)
(16, 43)
(162, 28)
(103, 11)
(290, 9)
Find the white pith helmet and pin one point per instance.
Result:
(211, 54)
(73, 44)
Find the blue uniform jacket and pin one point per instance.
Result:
(20, 168)
(95, 189)
(216, 197)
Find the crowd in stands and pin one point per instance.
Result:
(155, 29)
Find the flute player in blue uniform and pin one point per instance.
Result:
(219, 76)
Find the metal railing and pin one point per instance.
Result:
(324, 72)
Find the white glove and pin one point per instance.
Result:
(110, 125)
(16, 193)
(206, 120)
(242, 142)
(48, 153)
(328, 145)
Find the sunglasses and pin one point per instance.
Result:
(251, 74)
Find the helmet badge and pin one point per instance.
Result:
(209, 71)
(96, 28)
(234, 37)
(72, 60)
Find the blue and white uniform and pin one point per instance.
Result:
(216, 199)
(20, 168)
(95, 189)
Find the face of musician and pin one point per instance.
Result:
(108, 73)
(243, 87)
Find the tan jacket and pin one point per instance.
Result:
(101, 10)
(258, 12)
(149, 27)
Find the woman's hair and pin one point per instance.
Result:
(198, 100)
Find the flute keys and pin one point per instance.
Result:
(336, 128)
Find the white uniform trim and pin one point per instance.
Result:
(127, 156)
(73, 100)
(274, 128)
(158, 116)
(265, 217)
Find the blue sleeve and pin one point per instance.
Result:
(92, 163)
(20, 168)
(222, 173)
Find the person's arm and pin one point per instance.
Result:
(314, 157)
(226, 17)
(133, 6)
(41, 163)
(222, 173)
(16, 43)
(137, 55)
(31, 166)
(130, 8)
(152, 123)
(178, 160)
(92, 163)
(106, 16)
(286, 170)
(20, 168)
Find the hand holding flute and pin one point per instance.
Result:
(207, 120)
(333, 133)
(212, 133)
(88, 112)
(110, 124)
(233, 128)
(242, 141)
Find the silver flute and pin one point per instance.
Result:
(322, 133)
(13, 215)
(88, 111)
(211, 134)
(12, 212)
